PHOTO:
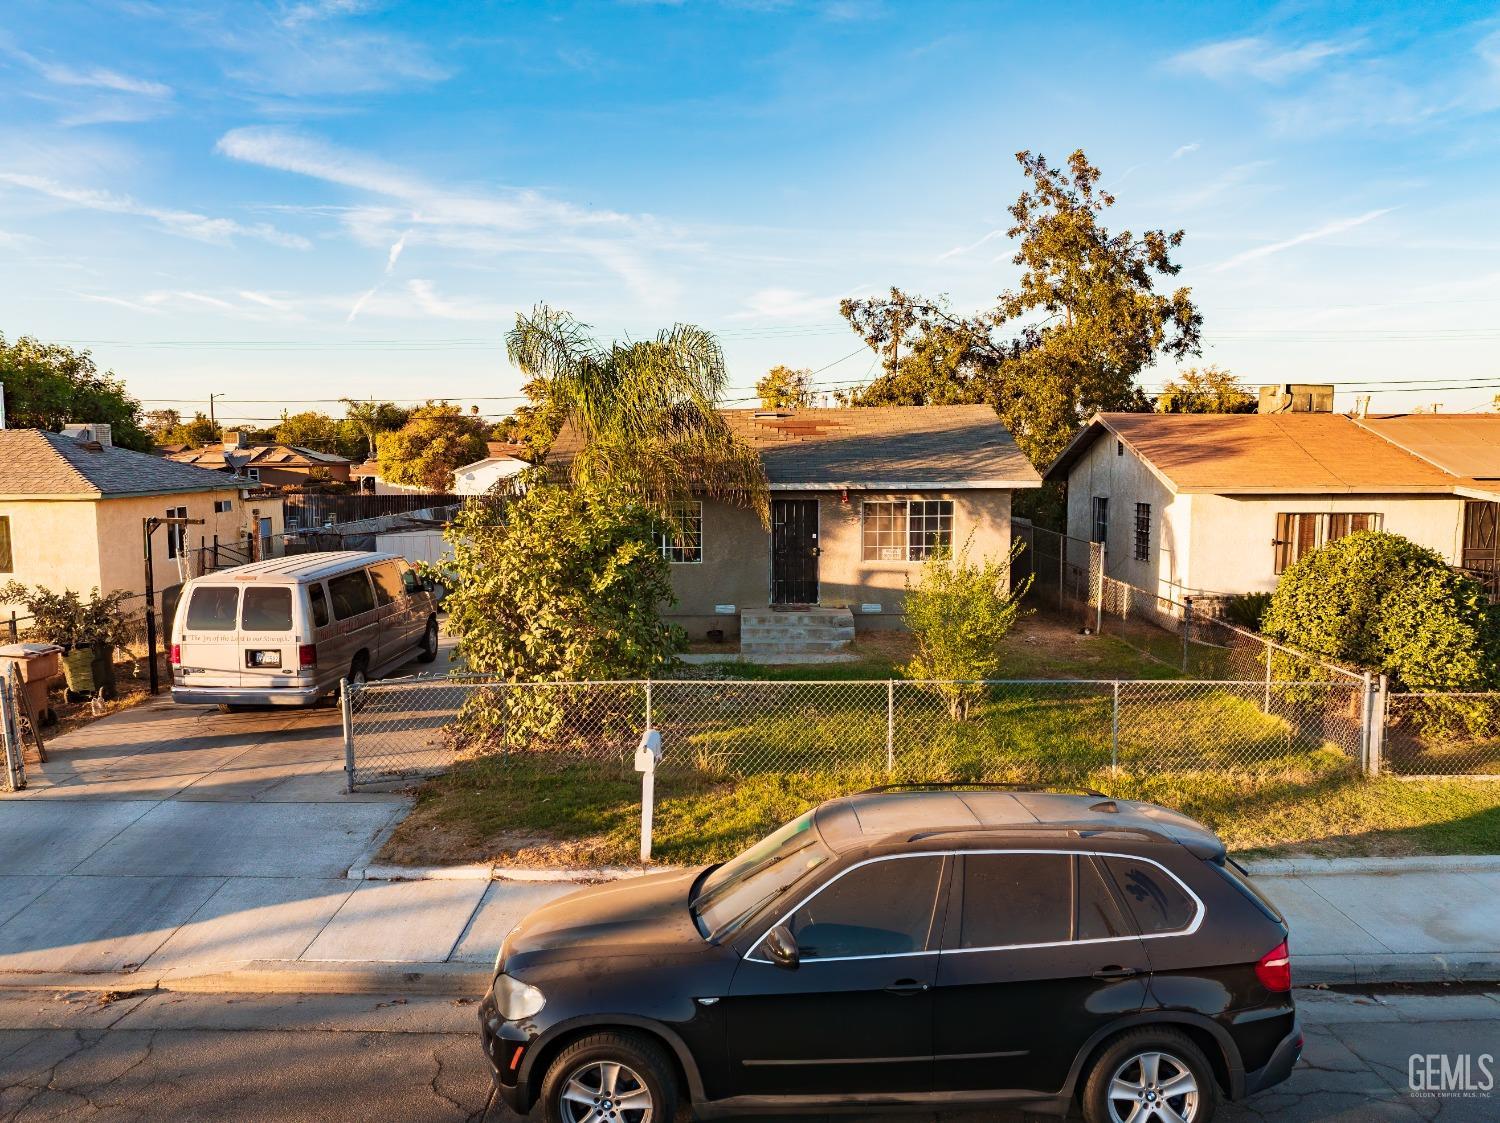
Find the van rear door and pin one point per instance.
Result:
(268, 636)
(207, 635)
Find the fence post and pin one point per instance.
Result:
(1187, 630)
(648, 703)
(346, 705)
(890, 726)
(1266, 705)
(1367, 715)
(1062, 568)
(1114, 732)
(10, 732)
(14, 631)
(1375, 757)
(1096, 578)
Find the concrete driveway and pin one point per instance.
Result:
(160, 815)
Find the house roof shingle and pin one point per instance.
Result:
(38, 464)
(1461, 444)
(873, 447)
(1282, 453)
(278, 456)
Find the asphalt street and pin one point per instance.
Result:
(216, 1057)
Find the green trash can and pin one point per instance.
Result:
(78, 669)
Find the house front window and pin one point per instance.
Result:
(1099, 532)
(1143, 532)
(682, 543)
(905, 529)
(1302, 533)
(176, 532)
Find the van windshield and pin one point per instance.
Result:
(213, 608)
(267, 610)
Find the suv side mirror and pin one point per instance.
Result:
(781, 946)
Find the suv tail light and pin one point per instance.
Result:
(307, 655)
(1274, 969)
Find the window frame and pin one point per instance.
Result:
(1285, 550)
(901, 509)
(669, 543)
(1099, 520)
(1142, 551)
(176, 533)
(951, 880)
(7, 546)
(333, 603)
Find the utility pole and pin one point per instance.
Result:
(148, 528)
(211, 419)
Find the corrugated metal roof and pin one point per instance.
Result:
(873, 447)
(1283, 453)
(34, 462)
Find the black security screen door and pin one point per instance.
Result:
(794, 551)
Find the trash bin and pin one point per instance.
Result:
(38, 665)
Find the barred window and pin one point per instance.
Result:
(1143, 532)
(682, 543)
(906, 529)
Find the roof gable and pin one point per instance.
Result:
(37, 463)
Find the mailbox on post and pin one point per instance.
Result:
(647, 757)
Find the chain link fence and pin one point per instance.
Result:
(1027, 731)
(1447, 734)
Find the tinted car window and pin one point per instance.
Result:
(387, 582)
(1155, 899)
(351, 594)
(213, 608)
(883, 908)
(1016, 899)
(747, 882)
(267, 610)
(1099, 916)
(319, 601)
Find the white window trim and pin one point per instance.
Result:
(664, 547)
(905, 502)
(1193, 926)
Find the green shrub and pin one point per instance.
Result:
(1380, 601)
(959, 611)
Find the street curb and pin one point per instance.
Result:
(1437, 863)
(484, 872)
(456, 980)
(1344, 970)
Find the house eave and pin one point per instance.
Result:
(905, 485)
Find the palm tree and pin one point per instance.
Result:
(646, 413)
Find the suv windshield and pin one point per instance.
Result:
(743, 885)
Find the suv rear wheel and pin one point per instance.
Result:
(1151, 1076)
(610, 1078)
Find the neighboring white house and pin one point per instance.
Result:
(478, 478)
(1222, 503)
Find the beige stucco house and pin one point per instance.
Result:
(859, 497)
(1195, 504)
(72, 507)
(273, 465)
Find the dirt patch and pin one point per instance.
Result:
(424, 841)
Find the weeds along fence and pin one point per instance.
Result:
(1065, 732)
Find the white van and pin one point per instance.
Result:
(283, 632)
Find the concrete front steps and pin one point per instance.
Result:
(795, 631)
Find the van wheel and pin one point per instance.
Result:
(618, 1077)
(1150, 1074)
(429, 651)
(233, 708)
(359, 671)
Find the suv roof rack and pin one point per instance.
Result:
(976, 785)
(1074, 830)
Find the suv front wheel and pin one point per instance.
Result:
(610, 1078)
(1151, 1076)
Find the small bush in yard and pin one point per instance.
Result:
(959, 611)
(563, 584)
(1381, 601)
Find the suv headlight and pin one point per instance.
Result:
(516, 1000)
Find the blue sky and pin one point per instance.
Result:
(303, 200)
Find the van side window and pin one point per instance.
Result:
(387, 582)
(319, 601)
(409, 578)
(213, 608)
(1153, 897)
(351, 594)
(267, 610)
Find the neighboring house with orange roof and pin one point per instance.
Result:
(272, 465)
(859, 498)
(1224, 503)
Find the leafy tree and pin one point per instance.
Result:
(781, 387)
(646, 412)
(535, 424)
(320, 432)
(1070, 339)
(372, 418)
(69, 620)
(1381, 601)
(960, 611)
(48, 385)
(424, 452)
(166, 427)
(1205, 390)
(563, 584)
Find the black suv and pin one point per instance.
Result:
(908, 948)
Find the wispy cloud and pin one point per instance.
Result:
(118, 302)
(1327, 230)
(959, 251)
(1232, 179)
(1257, 58)
(188, 224)
(1186, 150)
(394, 254)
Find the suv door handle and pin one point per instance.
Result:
(1107, 973)
(906, 986)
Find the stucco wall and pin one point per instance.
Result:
(121, 561)
(53, 543)
(736, 566)
(1125, 480)
(1232, 536)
